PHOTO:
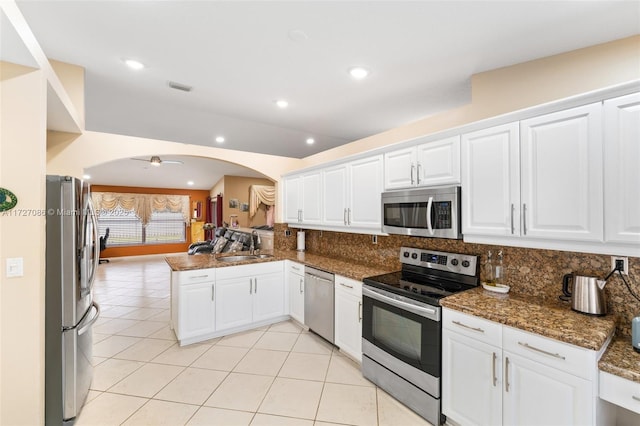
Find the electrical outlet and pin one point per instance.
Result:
(374, 239)
(287, 232)
(625, 263)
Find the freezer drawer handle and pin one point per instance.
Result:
(94, 319)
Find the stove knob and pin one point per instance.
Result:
(414, 255)
(454, 262)
(415, 290)
(405, 254)
(465, 263)
(406, 287)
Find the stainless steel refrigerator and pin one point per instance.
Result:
(72, 254)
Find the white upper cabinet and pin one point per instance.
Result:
(428, 164)
(351, 194)
(439, 162)
(490, 181)
(622, 169)
(302, 198)
(561, 175)
(539, 178)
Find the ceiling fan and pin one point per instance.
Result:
(156, 161)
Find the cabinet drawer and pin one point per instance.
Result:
(477, 328)
(295, 268)
(348, 285)
(249, 270)
(562, 356)
(619, 391)
(196, 276)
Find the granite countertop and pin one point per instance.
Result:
(621, 360)
(185, 262)
(552, 319)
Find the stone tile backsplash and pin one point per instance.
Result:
(529, 271)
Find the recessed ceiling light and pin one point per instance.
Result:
(190, 183)
(359, 73)
(133, 64)
(86, 177)
(219, 139)
(310, 141)
(281, 103)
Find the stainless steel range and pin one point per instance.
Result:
(402, 328)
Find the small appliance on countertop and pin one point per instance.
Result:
(587, 294)
(635, 333)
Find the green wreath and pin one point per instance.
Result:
(7, 200)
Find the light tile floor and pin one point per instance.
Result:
(276, 375)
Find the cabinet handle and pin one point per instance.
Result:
(345, 285)
(349, 216)
(524, 218)
(469, 327)
(255, 285)
(359, 311)
(635, 397)
(533, 348)
(344, 216)
(418, 174)
(300, 215)
(212, 291)
(301, 286)
(493, 369)
(506, 374)
(513, 229)
(250, 285)
(412, 169)
(295, 268)
(198, 276)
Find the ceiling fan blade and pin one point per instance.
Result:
(140, 159)
(172, 162)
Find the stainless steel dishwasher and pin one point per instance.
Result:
(319, 302)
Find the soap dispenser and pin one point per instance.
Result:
(499, 274)
(489, 271)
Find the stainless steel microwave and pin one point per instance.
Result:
(425, 212)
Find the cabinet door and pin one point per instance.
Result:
(535, 394)
(311, 198)
(268, 296)
(439, 162)
(471, 380)
(292, 199)
(365, 187)
(348, 318)
(234, 302)
(296, 296)
(334, 192)
(621, 169)
(561, 175)
(196, 311)
(400, 168)
(491, 181)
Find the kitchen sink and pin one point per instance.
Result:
(244, 257)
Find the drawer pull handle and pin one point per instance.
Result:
(345, 285)
(506, 374)
(198, 276)
(526, 345)
(635, 397)
(469, 327)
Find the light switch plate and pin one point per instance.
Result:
(15, 267)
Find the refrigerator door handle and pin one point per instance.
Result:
(96, 244)
(86, 326)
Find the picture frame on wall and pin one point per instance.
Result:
(233, 203)
(244, 207)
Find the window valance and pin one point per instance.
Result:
(264, 194)
(143, 204)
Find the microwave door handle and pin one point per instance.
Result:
(429, 206)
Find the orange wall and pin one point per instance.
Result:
(237, 187)
(194, 196)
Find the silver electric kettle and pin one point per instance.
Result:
(587, 294)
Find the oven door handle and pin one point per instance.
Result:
(423, 311)
(429, 206)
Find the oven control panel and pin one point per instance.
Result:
(453, 262)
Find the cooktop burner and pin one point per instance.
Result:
(428, 275)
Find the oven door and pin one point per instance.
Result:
(408, 330)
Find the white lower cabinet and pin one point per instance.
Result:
(348, 316)
(295, 282)
(197, 307)
(249, 294)
(497, 375)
